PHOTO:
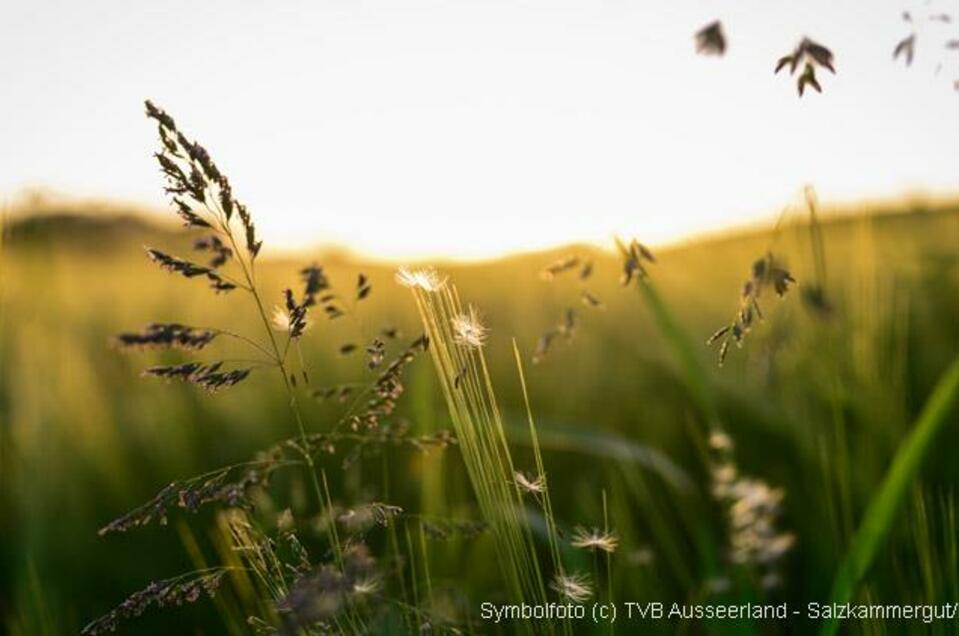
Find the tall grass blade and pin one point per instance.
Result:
(456, 344)
(881, 511)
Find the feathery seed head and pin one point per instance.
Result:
(594, 539)
(468, 330)
(528, 484)
(572, 587)
(426, 279)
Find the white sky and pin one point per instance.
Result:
(413, 128)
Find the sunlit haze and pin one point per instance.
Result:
(408, 129)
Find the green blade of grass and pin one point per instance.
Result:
(695, 377)
(881, 511)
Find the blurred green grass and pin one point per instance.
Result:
(816, 405)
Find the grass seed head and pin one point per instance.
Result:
(425, 278)
(594, 539)
(468, 330)
(572, 587)
(533, 485)
(710, 40)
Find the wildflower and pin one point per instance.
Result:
(572, 587)
(595, 539)
(426, 279)
(534, 486)
(469, 331)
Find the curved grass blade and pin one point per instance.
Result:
(881, 512)
(605, 446)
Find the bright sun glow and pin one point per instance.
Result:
(468, 129)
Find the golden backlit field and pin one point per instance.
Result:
(817, 402)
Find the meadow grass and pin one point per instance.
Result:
(814, 464)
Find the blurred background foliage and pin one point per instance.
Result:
(816, 402)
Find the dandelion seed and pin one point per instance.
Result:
(572, 587)
(468, 330)
(594, 539)
(367, 586)
(426, 279)
(531, 485)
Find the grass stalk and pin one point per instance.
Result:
(467, 388)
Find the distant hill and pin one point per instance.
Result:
(106, 227)
(95, 231)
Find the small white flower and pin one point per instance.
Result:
(426, 279)
(468, 330)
